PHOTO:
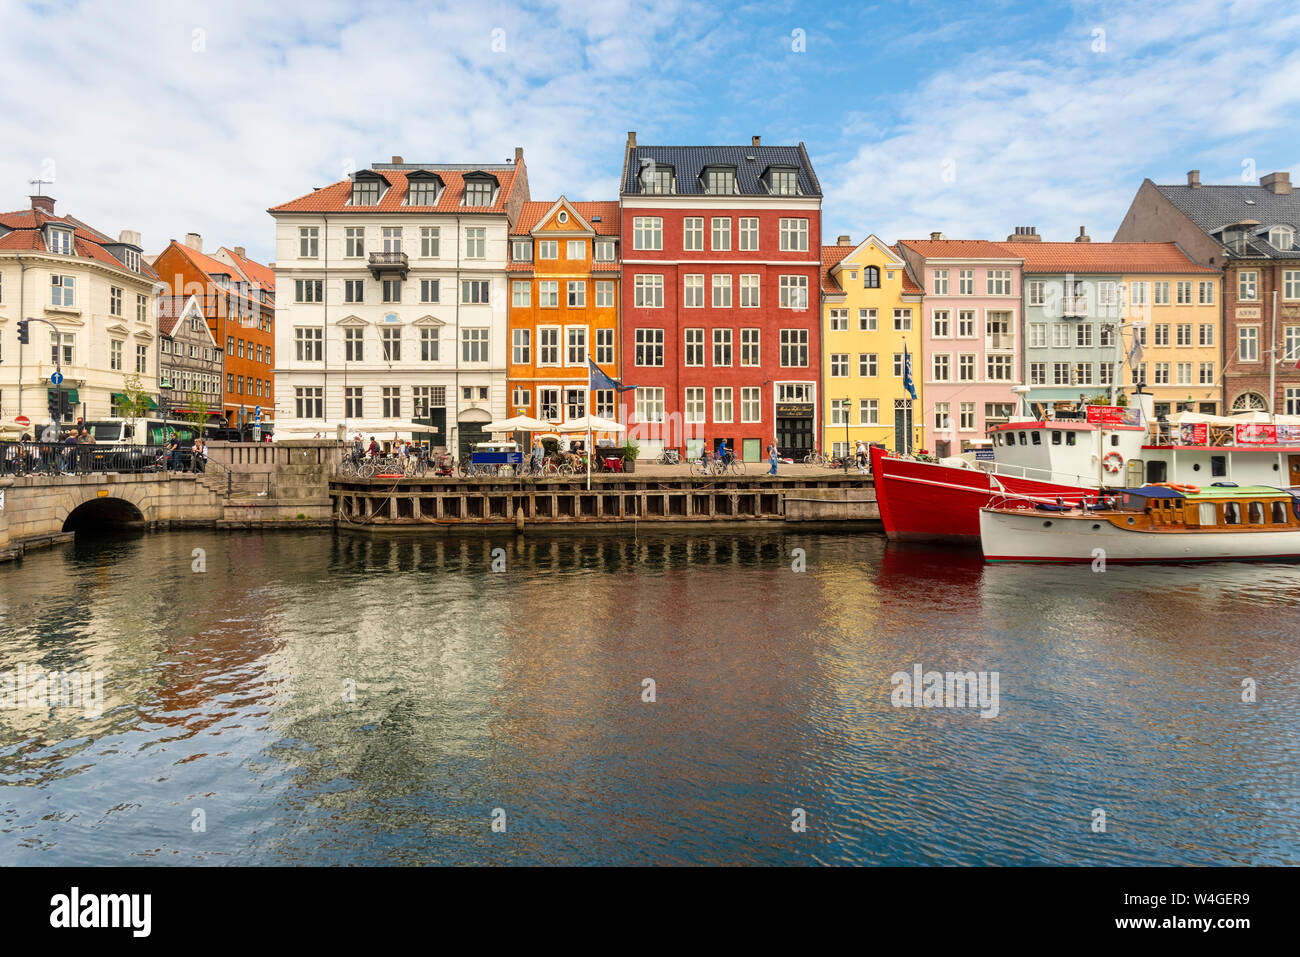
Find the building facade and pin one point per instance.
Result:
(1249, 232)
(720, 292)
(564, 308)
(239, 309)
(189, 363)
(871, 309)
(97, 292)
(394, 307)
(970, 336)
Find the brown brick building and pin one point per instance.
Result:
(1250, 232)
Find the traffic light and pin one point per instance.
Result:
(23, 337)
(54, 407)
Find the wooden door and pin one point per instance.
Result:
(1295, 469)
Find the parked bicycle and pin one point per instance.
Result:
(670, 457)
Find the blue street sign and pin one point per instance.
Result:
(257, 413)
(57, 378)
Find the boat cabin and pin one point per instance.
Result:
(1224, 508)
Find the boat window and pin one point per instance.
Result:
(1279, 513)
(1069, 438)
(1257, 513)
(1038, 438)
(1023, 440)
(1208, 514)
(1011, 438)
(1114, 440)
(1056, 437)
(1231, 513)
(1218, 466)
(1156, 472)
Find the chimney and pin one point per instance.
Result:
(756, 141)
(1083, 237)
(129, 237)
(397, 161)
(519, 155)
(239, 251)
(194, 241)
(936, 235)
(631, 140)
(45, 203)
(844, 241)
(1025, 234)
(1194, 178)
(1279, 184)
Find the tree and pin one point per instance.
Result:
(196, 409)
(134, 401)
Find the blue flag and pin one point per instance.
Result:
(598, 380)
(907, 373)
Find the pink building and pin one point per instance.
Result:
(970, 337)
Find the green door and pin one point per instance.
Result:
(752, 452)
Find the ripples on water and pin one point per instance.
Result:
(521, 690)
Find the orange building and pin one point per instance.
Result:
(564, 309)
(237, 296)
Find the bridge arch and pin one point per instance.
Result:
(89, 512)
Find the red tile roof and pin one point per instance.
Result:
(909, 284)
(334, 198)
(28, 233)
(210, 266)
(832, 256)
(170, 309)
(1107, 258)
(963, 248)
(533, 212)
(255, 271)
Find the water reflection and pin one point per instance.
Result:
(370, 699)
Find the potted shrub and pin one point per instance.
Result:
(630, 451)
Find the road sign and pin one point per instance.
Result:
(257, 413)
(57, 378)
(22, 420)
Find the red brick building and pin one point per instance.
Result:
(1250, 232)
(721, 297)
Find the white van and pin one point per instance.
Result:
(144, 431)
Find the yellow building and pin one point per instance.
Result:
(871, 308)
(1178, 318)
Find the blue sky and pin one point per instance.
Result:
(969, 118)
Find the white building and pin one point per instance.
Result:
(97, 293)
(392, 301)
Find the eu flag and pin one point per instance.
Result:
(907, 373)
(597, 379)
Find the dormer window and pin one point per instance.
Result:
(720, 180)
(782, 180)
(1235, 239)
(423, 188)
(132, 259)
(604, 250)
(1282, 237)
(521, 251)
(367, 188)
(60, 241)
(657, 180)
(480, 188)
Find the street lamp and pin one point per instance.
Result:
(846, 435)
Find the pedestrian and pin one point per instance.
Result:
(358, 449)
(173, 451)
(862, 458)
(374, 448)
(771, 457)
(200, 456)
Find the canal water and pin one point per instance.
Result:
(322, 698)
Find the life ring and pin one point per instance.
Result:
(1185, 489)
(1115, 465)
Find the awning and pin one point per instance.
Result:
(151, 404)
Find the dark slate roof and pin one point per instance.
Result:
(688, 163)
(1213, 207)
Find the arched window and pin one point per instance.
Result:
(871, 278)
(1249, 402)
(1282, 237)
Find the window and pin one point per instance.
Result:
(519, 399)
(604, 251)
(656, 179)
(868, 411)
(1293, 400)
(871, 278)
(1161, 334)
(647, 232)
(966, 413)
(391, 397)
(474, 291)
(1282, 237)
(1038, 373)
(309, 402)
(1161, 297)
(577, 291)
(308, 290)
(391, 341)
(308, 242)
(839, 320)
(751, 404)
(720, 181)
(1183, 373)
(354, 290)
(941, 282)
(749, 352)
(390, 290)
(1248, 343)
(693, 410)
(392, 239)
(748, 290)
(721, 229)
(793, 292)
(604, 347)
(478, 192)
(648, 291)
(721, 291)
(1291, 343)
(694, 347)
(650, 404)
(794, 235)
(548, 345)
(868, 364)
(1083, 335)
(241, 349)
(1247, 284)
(941, 324)
(521, 251)
(722, 406)
(1206, 373)
(749, 233)
(966, 324)
(548, 294)
(998, 368)
(474, 345)
(1161, 373)
(902, 320)
(575, 249)
(353, 345)
(604, 294)
(1291, 284)
(429, 239)
(548, 404)
(1106, 373)
(577, 345)
(521, 293)
(1183, 333)
(966, 367)
(839, 412)
(783, 182)
(1183, 291)
(693, 291)
(1206, 294)
(722, 347)
(308, 344)
(575, 403)
(941, 367)
(794, 347)
(475, 242)
(649, 347)
(63, 291)
(867, 320)
(352, 402)
(428, 344)
(1036, 290)
(693, 233)
(548, 249)
(999, 282)
(1038, 335)
(943, 416)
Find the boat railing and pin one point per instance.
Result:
(1218, 437)
(1038, 475)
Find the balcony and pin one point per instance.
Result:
(387, 264)
(1000, 342)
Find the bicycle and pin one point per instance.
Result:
(670, 457)
(815, 458)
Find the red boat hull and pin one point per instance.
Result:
(928, 502)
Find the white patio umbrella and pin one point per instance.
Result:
(519, 423)
(588, 424)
